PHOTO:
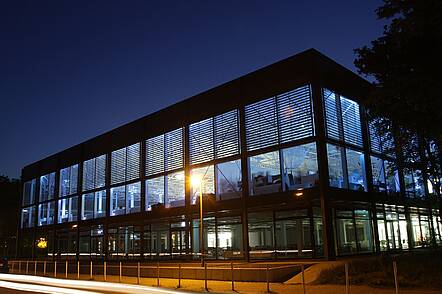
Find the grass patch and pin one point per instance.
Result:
(414, 270)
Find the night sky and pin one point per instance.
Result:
(71, 70)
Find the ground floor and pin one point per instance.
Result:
(262, 233)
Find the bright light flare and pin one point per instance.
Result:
(196, 180)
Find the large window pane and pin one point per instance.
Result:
(207, 176)
(94, 173)
(293, 237)
(346, 236)
(100, 204)
(331, 114)
(300, 167)
(336, 166)
(295, 115)
(47, 187)
(378, 173)
(392, 177)
(261, 124)
(154, 192)
(68, 180)
(260, 235)
(201, 146)
(228, 179)
(27, 217)
(351, 121)
(175, 189)
(229, 234)
(67, 209)
(226, 129)
(133, 198)
(87, 206)
(125, 164)
(356, 170)
(45, 214)
(118, 200)
(265, 173)
(29, 192)
(364, 231)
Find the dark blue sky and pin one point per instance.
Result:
(71, 70)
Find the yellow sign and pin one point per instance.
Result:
(42, 243)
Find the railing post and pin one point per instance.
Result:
(396, 286)
(158, 274)
(268, 279)
(303, 278)
(67, 269)
(19, 266)
(35, 267)
(55, 269)
(27, 266)
(12, 269)
(205, 277)
(121, 270)
(44, 268)
(233, 276)
(179, 275)
(78, 269)
(91, 271)
(138, 273)
(347, 281)
(104, 271)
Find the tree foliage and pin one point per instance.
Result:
(406, 65)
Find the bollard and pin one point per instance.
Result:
(267, 279)
(179, 275)
(35, 268)
(205, 276)
(119, 277)
(158, 274)
(78, 269)
(347, 281)
(138, 273)
(27, 266)
(55, 269)
(91, 271)
(303, 278)
(396, 286)
(66, 270)
(104, 271)
(233, 277)
(44, 268)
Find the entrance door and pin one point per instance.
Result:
(178, 242)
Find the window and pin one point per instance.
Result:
(336, 166)
(414, 186)
(94, 173)
(164, 152)
(354, 231)
(356, 170)
(207, 176)
(295, 114)
(229, 237)
(300, 167)
(265, 173)
(392, 177)
(228, 180)
(29, 192)
(67, 209)
(260, 227)
(175, 189)
(280, 119)
(351, 121)
(124, 242)
(154, 192)
(93, 205)
(47, 187)
(342, 117)
(68, 180)
(378, 173)
(27, 217)
(125, 199)
(125, 164)
(201, 143)
(45, 214)
(226, 128)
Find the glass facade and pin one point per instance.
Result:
(266, 148)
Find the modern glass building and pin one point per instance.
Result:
(290, 168)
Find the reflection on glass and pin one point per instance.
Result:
(265, 173)
(300, 167)
(118, 200)
(207, 176)
(228, 180)
(356, 170)
(378, 173)
(336, 166)
(260, 227)
(133, 198)
(175, 189)
(154, 192)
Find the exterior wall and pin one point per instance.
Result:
(293, 217)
